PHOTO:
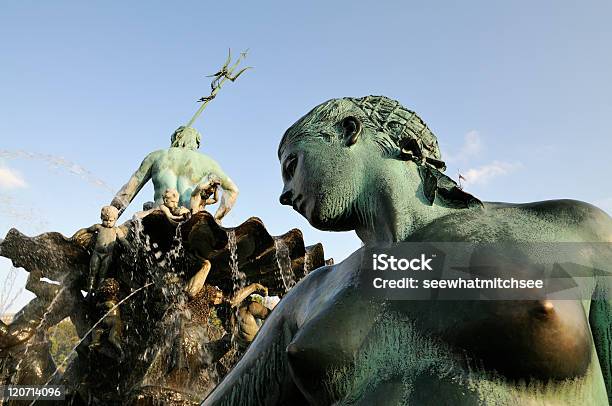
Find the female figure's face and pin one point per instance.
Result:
(322, 181)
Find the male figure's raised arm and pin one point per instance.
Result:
(230, 194)
(246, 292)
(127, 193)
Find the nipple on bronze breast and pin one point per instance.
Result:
(544, 309)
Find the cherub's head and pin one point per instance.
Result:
(334, 159)
(109, 215)
(171, 198)
(212, 186)
(108, 289)
(185, 137)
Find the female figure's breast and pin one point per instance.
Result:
(526, 339)
(517, 340)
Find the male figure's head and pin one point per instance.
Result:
(185, 137)
(109, 215)
(340, 157)
(218, 296)
(171, 198)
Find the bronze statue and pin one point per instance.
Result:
(111, 324)
(170, 207)
(181, 168)
(248, 315)
(241, 315)
(204, 194)
(370, 165)
(169, 344)
(196, 282)
(24, 348)
(106, 235)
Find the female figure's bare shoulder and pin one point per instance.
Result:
(549, 220)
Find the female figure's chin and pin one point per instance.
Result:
(316, 221)
(326, 224)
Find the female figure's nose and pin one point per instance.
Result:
(286, 197)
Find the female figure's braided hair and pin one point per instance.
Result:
(409, 138)
(400, 134)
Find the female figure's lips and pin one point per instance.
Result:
(298, 204)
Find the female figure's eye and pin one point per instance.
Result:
(290, 165)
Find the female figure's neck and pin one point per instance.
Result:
(394, 205)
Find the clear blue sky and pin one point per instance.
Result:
(519, 94)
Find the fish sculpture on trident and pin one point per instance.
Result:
(181, 167)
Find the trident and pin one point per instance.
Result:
(225, 73)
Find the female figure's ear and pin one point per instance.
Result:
(351, 127)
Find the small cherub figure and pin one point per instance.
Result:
(174, 213)
(204, 194)
(107, 299)
(106, 235)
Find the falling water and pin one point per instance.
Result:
(8, 296)
(36, 331)
(73, 350)
(239, 281)
(13, 209)
(238, 277)
(58, 162)
(283, 260)
(166, 271)
(16, 210)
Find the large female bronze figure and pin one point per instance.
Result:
(372, 166)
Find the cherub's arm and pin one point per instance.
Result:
(83, 231)
(121, 237)
(184, 212)
(196, 282)
(171, 217)
(142, 175)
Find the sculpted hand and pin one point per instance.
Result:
(261, 288)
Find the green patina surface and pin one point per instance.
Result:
(180, 167)
(371, 165)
